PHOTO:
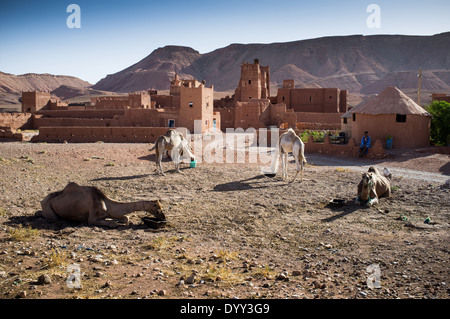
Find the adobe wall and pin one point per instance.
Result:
(413, 133)
(81, 113)
(314, 100)
(149, 117)
(318, 121)
(39, 121)
(323, 100)
(125, 117)
(111, 103)
(162, 101)
(226, 118)
(133, 100)
(34, 101)
(15, 121)
(139, 100)
(254, 114)
(350, 149)
(196, 103)
(218, 119)
(81, 134)
(254, 82)
(279, 114)
(440, 97)
(7, 133)
(343, 101)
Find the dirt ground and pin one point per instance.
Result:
(232, 232)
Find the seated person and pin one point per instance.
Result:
(365, 144)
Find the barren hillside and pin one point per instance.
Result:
(10, 83)
(154, 71)
(360, 64)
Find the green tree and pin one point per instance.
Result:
(440, 122)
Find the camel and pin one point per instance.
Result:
(174, 142)
(91, 205)
(373, 185)
(289, 142)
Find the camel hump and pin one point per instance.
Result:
(75, 188)
(71, 186)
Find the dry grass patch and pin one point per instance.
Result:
(56, 259)
(23, 233)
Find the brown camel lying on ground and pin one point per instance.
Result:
(91, 205)
(372, 186)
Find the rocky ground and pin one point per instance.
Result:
(232, 232)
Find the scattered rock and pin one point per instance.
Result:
(283, 276)
(44, 279)
(190, 280)
(162, 293)
(22, 294)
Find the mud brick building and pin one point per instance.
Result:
(133, 100)
(440, 97)
(138, 117)
(34, 101)
(253, 106)
(390, 113)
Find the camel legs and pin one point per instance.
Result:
(47, 210)
(176, 158)
(158, 163)
(97, 217)
(284, 165)
(299, 169)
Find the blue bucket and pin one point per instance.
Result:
(389, 143)
(193, 164)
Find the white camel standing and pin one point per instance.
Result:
(178, 146)
(288, 142)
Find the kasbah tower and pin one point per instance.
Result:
(254, 82)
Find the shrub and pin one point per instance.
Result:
(440, 122)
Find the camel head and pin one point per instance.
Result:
(157, 210)
(367, 179)
(187, 148)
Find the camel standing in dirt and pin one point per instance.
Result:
(372, 186)
(289, 142)
(174, 142)
(91, 205)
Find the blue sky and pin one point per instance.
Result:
(34, 37)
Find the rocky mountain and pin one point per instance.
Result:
(154, 71)
(10, 83)
(66, 92)
(360, 64)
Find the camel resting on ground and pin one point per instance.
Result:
(175, 143)
(91, 205)
(372, 186)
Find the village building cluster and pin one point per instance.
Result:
(253, 106)
(143, 116)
